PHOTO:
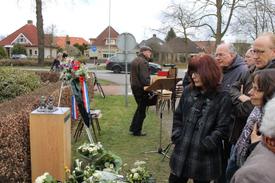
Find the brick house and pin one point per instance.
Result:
(104, 47)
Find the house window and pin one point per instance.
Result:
(30, 52)
(107, 55)
(21, 39)
(35, 52)
(111, 42)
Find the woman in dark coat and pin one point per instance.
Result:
(200, 123)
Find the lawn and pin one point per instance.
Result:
(115, 137)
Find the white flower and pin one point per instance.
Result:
(139, 168)
(133, 170)
(136, 176)
(139, 163)
(41, 178)
(97, 176)
(112, 166)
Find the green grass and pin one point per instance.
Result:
(115, 137)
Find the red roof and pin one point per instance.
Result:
(61, 41)
(28, 30)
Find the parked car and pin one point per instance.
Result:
(18, 56)
(116, 64)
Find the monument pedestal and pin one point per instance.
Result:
(50, 142)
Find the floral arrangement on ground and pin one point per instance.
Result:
(98, 165)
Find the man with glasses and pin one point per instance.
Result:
(233, 67)
(263, 52)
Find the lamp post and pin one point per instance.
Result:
(109, 33)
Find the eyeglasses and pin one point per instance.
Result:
(257, 51)
(194, 74)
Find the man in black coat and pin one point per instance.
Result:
(233, 67)
(263, 51)
(140, 77)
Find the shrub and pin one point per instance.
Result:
(28, 62)
(19, 49)
(15, 82)
(3, 53)
(14, 134)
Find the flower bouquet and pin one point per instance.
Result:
(139, 174)
(91, 151)
(101, 159)
(73, 69)
(79, 174)
(108, 162)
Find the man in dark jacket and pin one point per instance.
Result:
(263, 50)
(140, 77)
(233, 67)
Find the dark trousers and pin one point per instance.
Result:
(141, 98)
(225, 157)
(174, 179)
(232, 166)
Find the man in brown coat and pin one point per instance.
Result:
(140, 77)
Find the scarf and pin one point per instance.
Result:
(243, 142)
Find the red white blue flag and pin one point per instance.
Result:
(74, 108)
(85, 95)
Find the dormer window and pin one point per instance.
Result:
(21, 39)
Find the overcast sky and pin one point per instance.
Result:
(86, 18)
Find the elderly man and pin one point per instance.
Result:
(263, 52)
(233, 67)
(140, 77)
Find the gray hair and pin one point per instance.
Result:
(268, 122)
(230, 47)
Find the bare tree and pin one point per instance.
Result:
(51, 31)
(180, 18)
(258, 17)
(40, 31)
(216, 15)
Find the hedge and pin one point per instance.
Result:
(14, 130)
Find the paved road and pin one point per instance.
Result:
(121, 78)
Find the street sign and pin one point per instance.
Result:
(126, 42)
(93, 48)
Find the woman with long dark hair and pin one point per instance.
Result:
(201, 122)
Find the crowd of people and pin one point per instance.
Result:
(224, 125)
(223, 128)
